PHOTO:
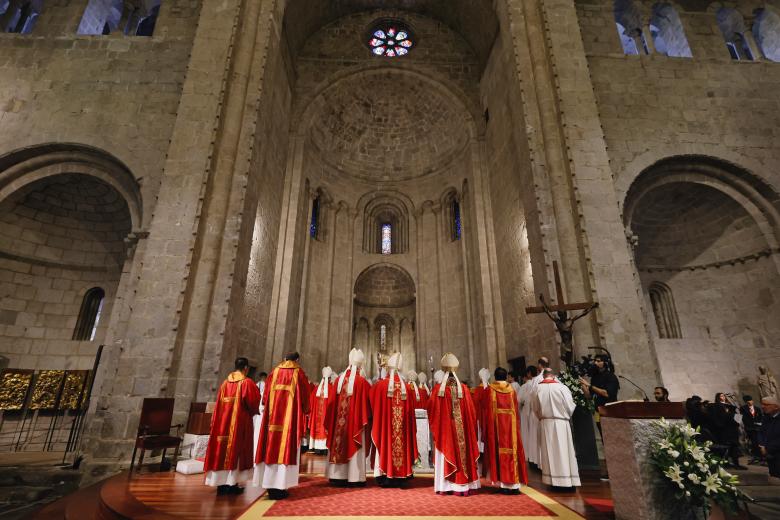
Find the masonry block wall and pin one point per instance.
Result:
(653, 107)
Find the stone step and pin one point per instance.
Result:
(752, 478)
(12, 476)
(766, 511)
(763, 494)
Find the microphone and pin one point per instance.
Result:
(637, 387)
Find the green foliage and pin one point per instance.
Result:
(694, 472)
(573, 383)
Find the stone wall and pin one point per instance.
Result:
(712, 107)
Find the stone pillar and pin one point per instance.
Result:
(595, 258)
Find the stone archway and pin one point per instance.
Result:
(709, 240)
(384, 314)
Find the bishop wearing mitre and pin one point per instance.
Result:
(229, 453)
(286, 402)
(554, 405)
(453, 421)
(411, 378)
(347, 420)
(504, 458)
(425, 392)
(318, 435)
(394, 431)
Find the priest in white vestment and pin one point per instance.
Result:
(529, 435)
(258, 419)
(532, 450)
(554, 405)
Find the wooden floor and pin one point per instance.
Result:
(169, 496)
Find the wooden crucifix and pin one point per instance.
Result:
(561, 318)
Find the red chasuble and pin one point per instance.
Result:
(286, 402)
(478, 395)
(230, 438)
(424, 396)
(453, 425)
(394, 431)
(504, 457)
(317, 413)
(346, 418)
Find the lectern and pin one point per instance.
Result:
(639, 491)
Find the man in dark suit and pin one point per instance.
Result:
(752, 419)
(769, 437)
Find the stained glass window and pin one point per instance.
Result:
(456, 225)
(390, 39)
(383, 337)
(315, 218)
(387, 239)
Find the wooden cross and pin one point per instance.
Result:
(561, 318)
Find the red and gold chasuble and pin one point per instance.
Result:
(286, 402)
(394, 431)
(504, 456)
(346, 418)
(453, 425)
(230, 438)
(317, 413)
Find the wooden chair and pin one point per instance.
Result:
(154, 430)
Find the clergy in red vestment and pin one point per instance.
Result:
(393, 432)
(477, 394)
(318, 435)
(286, 402)
(347, 421)
(504, 458)
(229, 453)
(411, 378)
(425, 392)
(453, 421)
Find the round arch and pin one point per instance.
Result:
(28, 165)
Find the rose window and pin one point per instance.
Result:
(390, 40)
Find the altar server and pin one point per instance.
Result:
(554, 405)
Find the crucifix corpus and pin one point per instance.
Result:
(561, 318)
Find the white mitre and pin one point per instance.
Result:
(322, 388)
(394, 364)
(423, 378)
(450, 364)
(484, 376)
(438, 376)
(356, 359)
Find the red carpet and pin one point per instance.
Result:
(315, 497)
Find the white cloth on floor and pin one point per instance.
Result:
(442, 484)
(277, 476)
(354, 470)
(228, 477)
(554, 405)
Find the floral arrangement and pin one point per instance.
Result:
(573, 383)
(695, 472)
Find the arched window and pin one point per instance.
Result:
(766, 30)
(455, 219)
(664, 311)
(314, 224)
(101, 17)
(19, 16)
(147, 22)
(668, 33)
(89, 315)
(628, 21)
(732, 26)
(383, 337)
(387, 239)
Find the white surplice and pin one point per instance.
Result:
(355, 468)
(553, 404)
(528, 434)
(532, 448)
(277, 476)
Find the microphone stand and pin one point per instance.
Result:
(637, 387)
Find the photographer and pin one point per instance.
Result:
(603, 385)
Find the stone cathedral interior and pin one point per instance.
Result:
(183, 182)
